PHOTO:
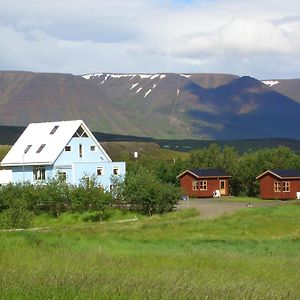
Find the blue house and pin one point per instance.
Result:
(67, 148)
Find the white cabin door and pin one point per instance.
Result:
(222, 187)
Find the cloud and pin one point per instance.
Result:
(80, 36)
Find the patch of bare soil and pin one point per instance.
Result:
(214, 207)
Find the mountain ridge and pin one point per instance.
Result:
(159, 105)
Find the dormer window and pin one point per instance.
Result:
(80, 132)
(54, 129)
(40, 148)
(27, 148)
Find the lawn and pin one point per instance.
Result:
(253, 254)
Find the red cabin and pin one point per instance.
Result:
(204, 182)
(279, 184)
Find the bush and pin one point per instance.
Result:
(17, 216)
(89, 196)
(144, 193)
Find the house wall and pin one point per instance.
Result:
(74, 166)
(186, 183)
(66, 157)
(21, 174)
(267, 188)
(81, 169)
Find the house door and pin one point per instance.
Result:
(222, 187)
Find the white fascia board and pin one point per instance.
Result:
(96, 142)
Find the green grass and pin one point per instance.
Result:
(253, 254)
(242, 199)
(67, 219)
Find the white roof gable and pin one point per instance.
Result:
(38, 134)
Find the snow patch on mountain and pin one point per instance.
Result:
(185, 75)
(118, 76)
(134, 85)
(104, 79)
(270, 82)
(88, 76)
(146, 94)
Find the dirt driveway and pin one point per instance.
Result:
(214, 207)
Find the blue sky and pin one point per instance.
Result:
(256, 38)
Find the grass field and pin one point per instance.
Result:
(253, 254)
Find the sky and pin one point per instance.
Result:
(259, 38)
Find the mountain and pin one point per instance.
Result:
(287, 87)
(182, 106)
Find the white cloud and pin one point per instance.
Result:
(80, 36)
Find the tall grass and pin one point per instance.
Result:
(253, 254)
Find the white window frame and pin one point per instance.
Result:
(195, 185)
(39, 173)
(277, 186)
(286, 188)
(116, 171)
(203, 185)
(101, 169)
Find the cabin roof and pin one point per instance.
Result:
(42, 143)
(205, 173)
(282, 173)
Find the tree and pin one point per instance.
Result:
(146, 194)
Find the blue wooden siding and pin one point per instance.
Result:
(76, 166)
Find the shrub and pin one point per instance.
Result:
(89, 196)
(16, 216)
(144, 193)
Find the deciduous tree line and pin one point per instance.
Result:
(149, 187)
(141, 191)
(243, 168)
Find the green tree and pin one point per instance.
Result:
(146, 194)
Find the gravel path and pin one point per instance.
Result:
(213, 207)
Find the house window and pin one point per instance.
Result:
(80, 133)
(93, 148)
(40, 148)
(203, 185)
(62, 175)
(67, 148)
(54, 129)
(27, 148)
(195, 185)
(80, 150)
(100, 171)
(116, 171)
(277, 186)
(285, 186)
(39, 173)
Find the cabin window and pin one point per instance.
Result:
(203, 185)
(40, 148)
(54, 129)
(277, 187)
(68, 148)
(27, 148)
(195, 185)
(39, 173)
(116, 171)
(80, 150)
(285, 186)
(100, 171)
(93, 148)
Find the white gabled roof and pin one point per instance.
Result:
(38, 134)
